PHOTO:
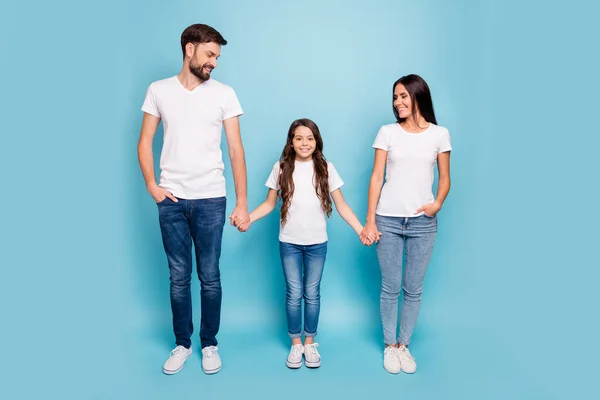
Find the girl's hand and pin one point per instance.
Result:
(370, 234)
(239, 223)
(430, 209)
(365, 240)
(240, 218)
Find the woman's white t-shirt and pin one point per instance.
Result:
(306, 222)
(411, 158)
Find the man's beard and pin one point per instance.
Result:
(199, 71)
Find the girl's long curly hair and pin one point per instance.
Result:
(286, 165)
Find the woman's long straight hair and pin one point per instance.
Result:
(420, 96)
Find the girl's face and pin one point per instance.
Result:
(402, 101)
(304, 143)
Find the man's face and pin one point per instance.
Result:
(204, 59)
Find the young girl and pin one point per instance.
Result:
(306, 182)
(406, 210)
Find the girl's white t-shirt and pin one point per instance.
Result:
(411, 158)
(306, 222)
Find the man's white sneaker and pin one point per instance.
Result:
(391, 362)
(312, 358)
(294, 359)
(406, 360)
(211, 362)
(176, 360)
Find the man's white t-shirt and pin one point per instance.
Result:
(306, 222)
(191, 162)
(409, 168)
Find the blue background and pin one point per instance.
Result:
(510, 307)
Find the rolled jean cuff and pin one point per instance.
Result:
(308, 334)
(390, 340)
(295, 335)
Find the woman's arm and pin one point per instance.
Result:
(370, 229)
(443, 161)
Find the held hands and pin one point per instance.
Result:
(370, 234)
(430, 209)
(240, 218)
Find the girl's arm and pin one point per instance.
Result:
(345, 211)
(265, 208)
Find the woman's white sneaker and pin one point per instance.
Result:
(211, 362)
(176, 360)
(407, 361)
(294, 359)
(312, 358)
(391, 362)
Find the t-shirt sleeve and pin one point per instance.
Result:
(445, 142)
(150, 105)
(232, 106)
(335, 181)
(382, 140)
(273, 180)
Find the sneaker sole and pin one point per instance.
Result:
(171, 372)
(174, 371)
(393, 371)
(293, 366)
(211, 371)
(312, 364)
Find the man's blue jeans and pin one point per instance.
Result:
(201, 222)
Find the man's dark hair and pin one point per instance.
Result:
(200, 33)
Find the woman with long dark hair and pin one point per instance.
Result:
(405, 210)
(306, 183)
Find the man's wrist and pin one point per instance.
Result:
(151, 185)
(242, 203)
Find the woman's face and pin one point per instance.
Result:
(402, 101)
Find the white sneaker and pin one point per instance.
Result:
(176, 360)
(391, 362)
(312, 358)
(406, 360)
(294, 359)
(211, 362)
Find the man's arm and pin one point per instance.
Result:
(238, 165)
(146, 158)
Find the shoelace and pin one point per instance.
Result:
(178, 351)
(210, 351)
(311, 349)
(390, 352)
(405, 354)
(296, 351)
